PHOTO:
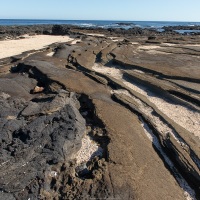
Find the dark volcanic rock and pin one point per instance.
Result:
(60, 30)
(170, 28)
(34, 137)
(125, 23)
(132, 31)
(14, 31)
(17, 31)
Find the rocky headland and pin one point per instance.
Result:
(110, 114)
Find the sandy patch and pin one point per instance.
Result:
(148, 47)
(157, 52)
(15, 47)
(113, 38)
(169, 44)
(153, 49)
(95, 34)
(192, 45)
(50, 54)
(138, 71)
(89, 150)
(113, 72)
(75, 41)
(134, 43)
(116, 39)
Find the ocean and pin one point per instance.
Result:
(98, 23)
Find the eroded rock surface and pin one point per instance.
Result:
(35, 135)
(111, 95)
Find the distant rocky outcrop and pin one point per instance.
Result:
(60, 30)
(195, 27)
(125, 23)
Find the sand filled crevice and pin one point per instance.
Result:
(88, 151)
(182, 115)
(95, 141)
(160, 125)
(188, 191)
(188, 119)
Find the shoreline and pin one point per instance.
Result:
(63, 29)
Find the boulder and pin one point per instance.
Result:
(34, 137)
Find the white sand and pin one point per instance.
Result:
(157, 52)
(15, 47)
(94, 34)
(50, 54)
(75, 41)
(148, 47)
(192, 45)
(116, 39)
(169, 44)
(152, 49)
(89, 150)
(113, 72)
(138, 71)
(135, 43)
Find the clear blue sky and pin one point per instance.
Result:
(144, 10)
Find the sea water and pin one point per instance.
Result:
(98, 23)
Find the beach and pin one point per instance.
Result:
(27, 43)
(104, 113)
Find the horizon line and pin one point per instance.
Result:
(95, 20)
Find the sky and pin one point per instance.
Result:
(128, 10)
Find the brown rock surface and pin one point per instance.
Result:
(139, 103)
